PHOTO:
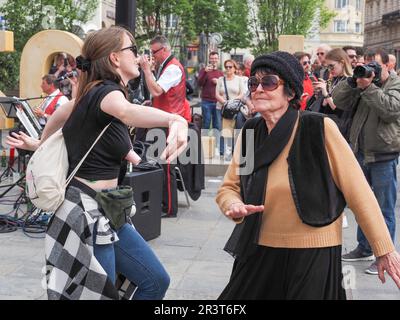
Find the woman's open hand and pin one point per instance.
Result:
(391, 264)
(22, 141)
(240, 210)
(177, 139)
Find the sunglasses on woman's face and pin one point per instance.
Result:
(268, 83)
(132, 48)
(228, 67)
(306, 63)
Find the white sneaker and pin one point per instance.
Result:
(345, 224)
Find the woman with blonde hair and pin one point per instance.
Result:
(84, 248)
(339, 70)
(228, 87)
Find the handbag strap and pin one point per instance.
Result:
(84, 157)
(226, 89)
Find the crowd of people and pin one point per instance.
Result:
(288, 211)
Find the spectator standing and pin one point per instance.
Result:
(228, 87)
(247, 61)
(207, 81)
(352, 55)
(323, 72)
(375, 141)
(392, 64)
(305, 60)
(168, 89)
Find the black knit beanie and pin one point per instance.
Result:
(285, 65)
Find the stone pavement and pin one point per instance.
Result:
(190, 247)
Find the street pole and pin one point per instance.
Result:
(125, 14)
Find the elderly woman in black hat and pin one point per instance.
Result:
(286, 189)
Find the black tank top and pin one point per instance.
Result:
(84, 126)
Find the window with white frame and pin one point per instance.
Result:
(358, 5)
(172, 21)
(340, 26)
(341, 3)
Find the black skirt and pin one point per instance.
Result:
(287, 274)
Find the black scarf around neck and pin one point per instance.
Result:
(267, 147)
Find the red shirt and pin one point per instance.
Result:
(308, 88)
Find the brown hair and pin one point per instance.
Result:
(231, 61)
(300, 54)
(50, 79)
(339, 55)
(97, 49)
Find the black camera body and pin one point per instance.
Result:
(366, 72)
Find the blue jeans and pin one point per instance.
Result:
(382, 178)
(132, 257)
(210, 113)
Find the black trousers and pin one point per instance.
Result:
(287, 274)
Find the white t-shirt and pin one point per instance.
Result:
(170, 78)
(47, 101)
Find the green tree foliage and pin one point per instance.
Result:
(236, 32)
(172, 18)
(27, 17)
(271, 18)
(191, 18)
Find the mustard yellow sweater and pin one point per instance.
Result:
(281, 226)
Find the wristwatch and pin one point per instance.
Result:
(328, 96)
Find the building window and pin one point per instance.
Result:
(339, 4)
(358, 5)
(172, 21)
(340, 26)
(358, 27)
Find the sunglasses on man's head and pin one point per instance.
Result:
(269, 83)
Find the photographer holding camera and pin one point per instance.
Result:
(373, 97)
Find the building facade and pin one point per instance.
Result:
(382, 25)
(345, 29)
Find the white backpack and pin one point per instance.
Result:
(46, 173)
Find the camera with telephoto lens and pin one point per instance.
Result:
(366, 71)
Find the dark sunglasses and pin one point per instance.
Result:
(268, 83)
(133, 48)
(331, 66)
(306, 62)
(352, 56)
(320, 53)
(228, 67)
(155, 51)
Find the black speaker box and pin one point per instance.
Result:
(147, 189)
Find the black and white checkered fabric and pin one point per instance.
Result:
(72, 271)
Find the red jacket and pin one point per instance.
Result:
(174, 101)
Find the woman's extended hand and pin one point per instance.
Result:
(22, 141)
(241, 210)
(177, 139)
(391, 263)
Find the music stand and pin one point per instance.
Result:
(7, 104)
